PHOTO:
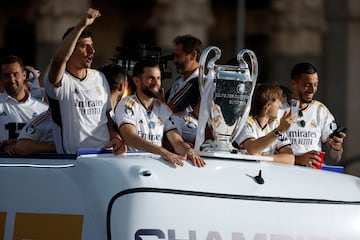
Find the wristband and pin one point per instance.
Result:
(277, 133)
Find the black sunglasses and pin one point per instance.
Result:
(302, 122)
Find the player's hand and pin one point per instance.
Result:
(118, 145)
(90, 16)
(194, 158)
(285, 122)
(336, 142)
(310, 159)
(172, 158)
(10, 149)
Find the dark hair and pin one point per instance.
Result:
(85, 34)
(114, 74)
(142, 64)
(190, 44)
(11, 59)
(263, 94)
(286, 91)
(301, 68)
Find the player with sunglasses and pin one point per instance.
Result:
(314, 123)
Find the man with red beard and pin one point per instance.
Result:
(79, 96)
(17, 106)
(143, 119)
(314, 123)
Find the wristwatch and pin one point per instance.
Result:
(277, 133)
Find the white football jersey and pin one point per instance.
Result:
(14, 115)
(311, 128)
(252, 130)
(187, 126)
(150, 125)
(78, 108)
(38, 129)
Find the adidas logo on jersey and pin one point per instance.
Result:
(3, 114)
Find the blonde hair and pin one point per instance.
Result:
(263, 94)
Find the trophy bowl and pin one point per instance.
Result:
(226, 92)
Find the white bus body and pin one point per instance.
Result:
(141, 197)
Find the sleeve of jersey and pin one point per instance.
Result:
(52, 91)
(29, 132)
(187, 96)
(125, 112)
(179, 123)
(168, 118)
(246, 132)
(38, 129)
(282, 142)
(328, 123)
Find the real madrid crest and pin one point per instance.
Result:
(313, 123)
(98, 90)
(30, 130)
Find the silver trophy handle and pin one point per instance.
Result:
(210, 65)
(254, 62)
(206, 82)
(254, 73)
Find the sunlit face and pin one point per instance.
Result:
(83, 54)
(150, 81)
(182, 60)
(12, 79)
(305, 87)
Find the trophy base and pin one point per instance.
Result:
(223, 149)
(235, 156)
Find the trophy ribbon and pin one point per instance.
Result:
(205, 105)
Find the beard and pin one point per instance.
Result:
(305, 99)
(147, 91)
(181, 68)
(13, 89)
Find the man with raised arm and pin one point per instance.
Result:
(78, 95)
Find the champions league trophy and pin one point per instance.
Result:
(226, 92)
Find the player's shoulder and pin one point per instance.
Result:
(319, 105)
(40, 118)
(3, 97)
(130, 101)
(194, 79)
(37, 103)
(94, 73)
(250, 120)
